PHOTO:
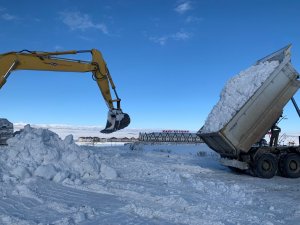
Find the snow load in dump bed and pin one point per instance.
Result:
(250, 103)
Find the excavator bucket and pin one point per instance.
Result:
(116, 120)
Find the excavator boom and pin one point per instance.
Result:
(49, 61)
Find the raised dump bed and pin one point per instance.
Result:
(257, 115)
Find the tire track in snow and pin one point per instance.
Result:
(27, 209)
(104, 207)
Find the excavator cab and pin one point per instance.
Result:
(116, 120)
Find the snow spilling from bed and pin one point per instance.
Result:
(41, 153)
(236, 93)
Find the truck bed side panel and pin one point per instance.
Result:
(262, 110)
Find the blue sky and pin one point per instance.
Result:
(169, 59)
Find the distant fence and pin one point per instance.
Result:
(174, 137)
(165, 136)
(112, 139)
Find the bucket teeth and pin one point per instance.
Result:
(116, 120)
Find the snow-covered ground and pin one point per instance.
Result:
(46, 180)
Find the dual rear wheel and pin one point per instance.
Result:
(267, 165)
(289, 165)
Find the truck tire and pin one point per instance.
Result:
(266, 166)
(290, 165)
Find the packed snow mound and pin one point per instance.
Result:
(41, 152)
(236, 93)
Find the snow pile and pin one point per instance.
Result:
(236, 93)
(40, 152)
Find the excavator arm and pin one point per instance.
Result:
(50, 61)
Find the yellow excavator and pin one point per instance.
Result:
(52, 61)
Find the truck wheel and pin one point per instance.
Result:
(291, 166)
(266, 166)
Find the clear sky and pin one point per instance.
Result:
(169, 59)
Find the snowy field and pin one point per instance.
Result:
(46, 180)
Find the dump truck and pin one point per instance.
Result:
(239, 141)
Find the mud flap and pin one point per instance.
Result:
(116, 120)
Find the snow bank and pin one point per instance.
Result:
(236, 93)
(40, 152)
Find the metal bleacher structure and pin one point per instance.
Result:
(170, 137)
(165, 136)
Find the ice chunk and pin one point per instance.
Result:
(20, 172)
(108, 172)
(46, 171)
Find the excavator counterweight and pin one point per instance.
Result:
(49, 61)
